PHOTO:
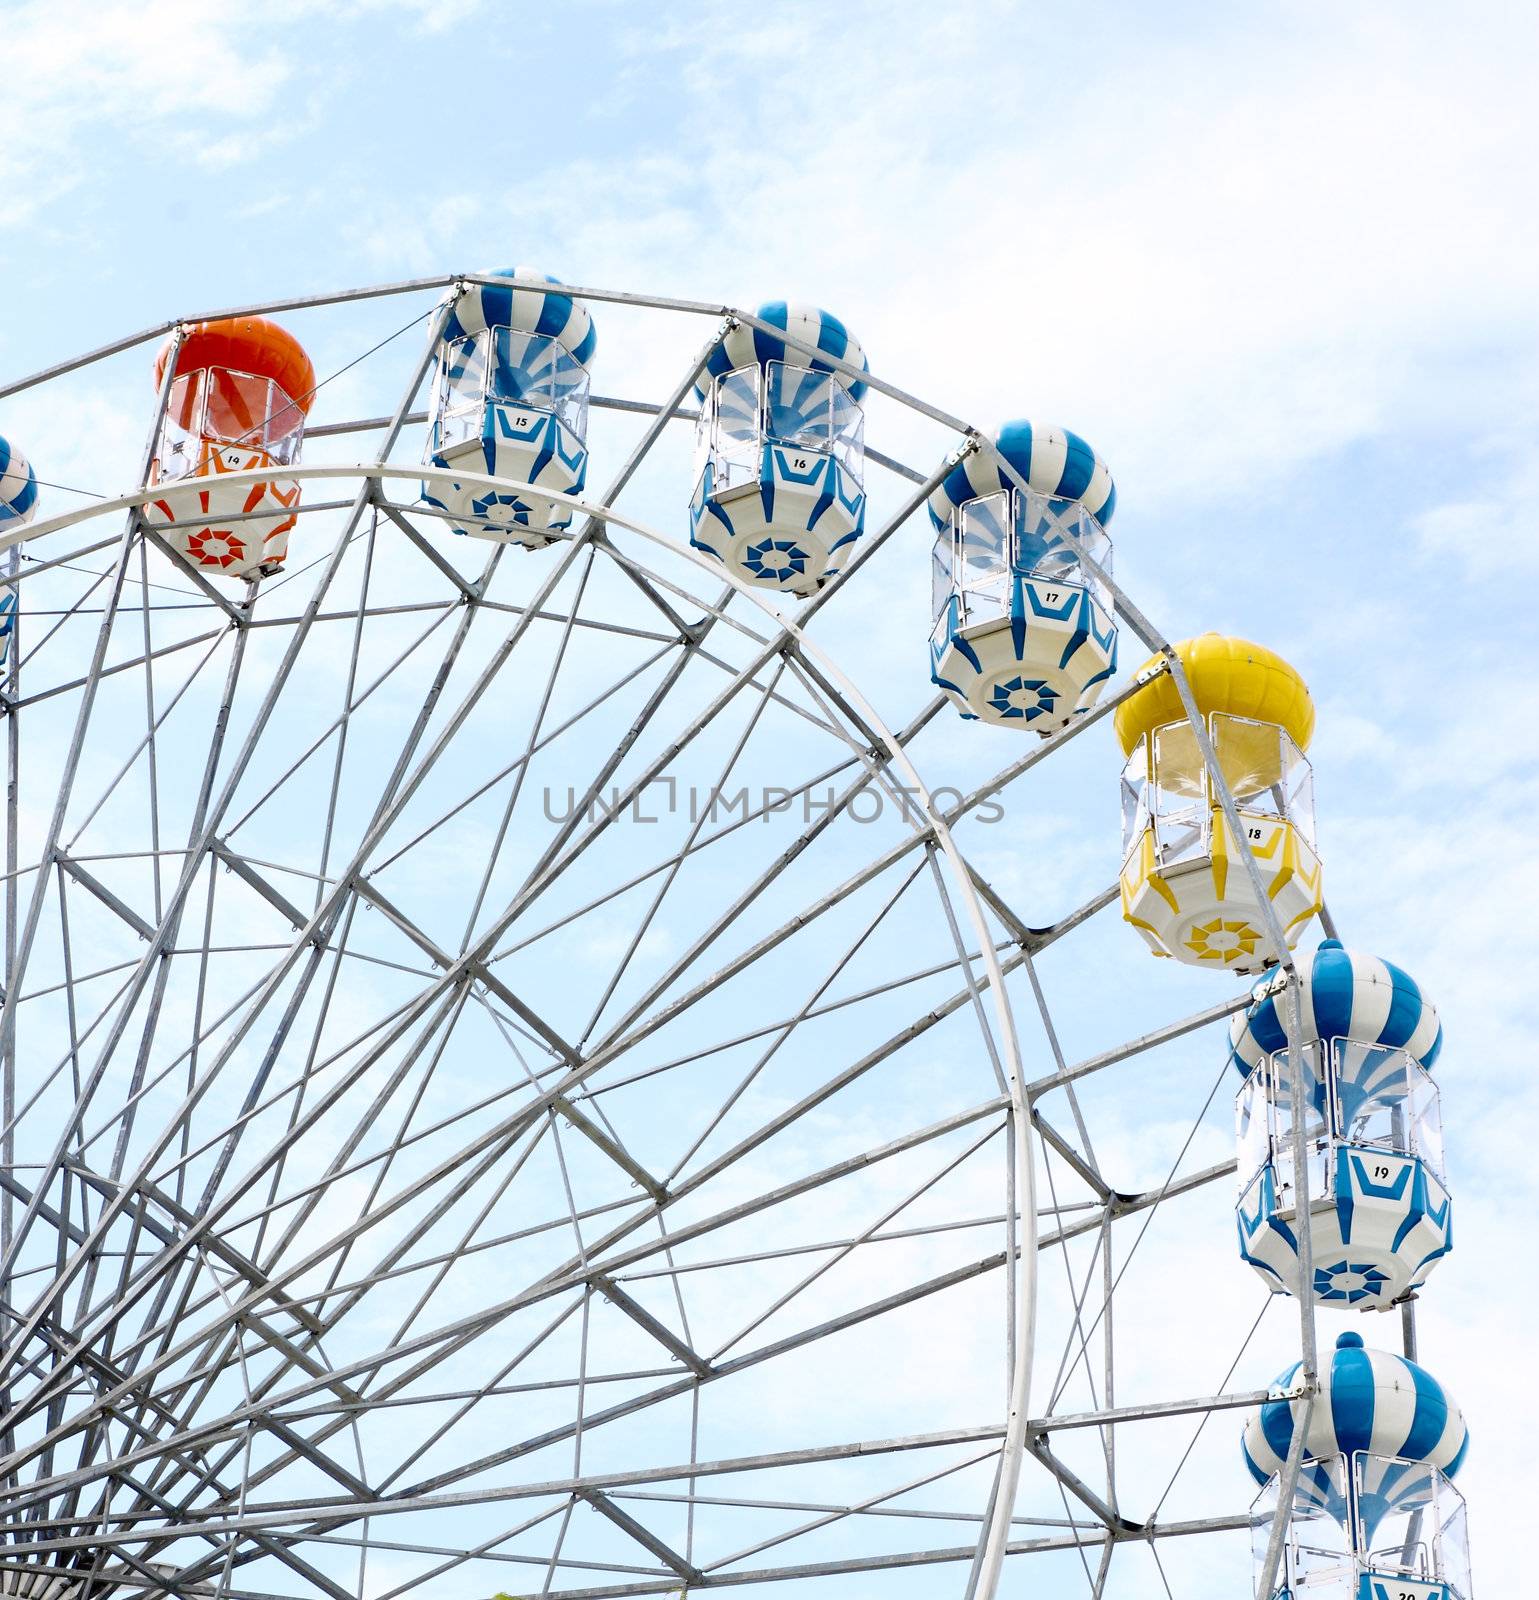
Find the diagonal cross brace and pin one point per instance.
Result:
(616, 1152)
(643, 1536)
(1037, 1446)
(248, 874)
(112, 902)
(643, 1318)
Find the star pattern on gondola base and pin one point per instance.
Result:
(502, 510)
(1023, 697)
(1223, 940)
(776, 559)
(1349, 1282)
(212, 548)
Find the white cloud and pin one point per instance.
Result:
(80, 70)
(1220, 262)
(223, 86)
(1492, 529)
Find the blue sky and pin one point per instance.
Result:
(1276, 262)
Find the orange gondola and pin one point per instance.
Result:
(239, 395)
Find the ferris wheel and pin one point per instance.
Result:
(545, 1054)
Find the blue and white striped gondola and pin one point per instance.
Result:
(18, 488)
(1023, 633)
(1368, 1035)
(1381, 1430)
(779, 494)
(511, 401)
(18, 506)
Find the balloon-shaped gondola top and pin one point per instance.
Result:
(1343, 994)
(779, 495)
(1051, 461)
(240, 392)
(1228, 677)
(1023, 632)
(511, 402)
(1184, 885)
(826, 336)
(1369, 1400)
(242, 344)
(1384, 1440)
(18, 506)
(18, 488)
(525, 308)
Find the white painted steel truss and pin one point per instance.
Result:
(413, 1185)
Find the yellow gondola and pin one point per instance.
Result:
(1184, 883)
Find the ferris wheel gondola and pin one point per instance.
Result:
(18, 506)
(1382, 1216)
(1024, 633)
(510, 401)
(1374, 1511)
(1184, 884)
(18, 488)
(780, 450)
(240, 389)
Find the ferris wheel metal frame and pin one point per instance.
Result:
(1021, 1436)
